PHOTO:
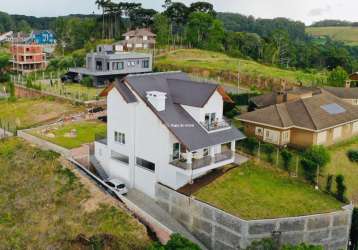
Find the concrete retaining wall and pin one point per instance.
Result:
(220, 230)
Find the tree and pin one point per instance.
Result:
(251, 144)
(337, 77)
(341, 188)
(329, 183)
(24, 26)
(269, 150)
(204, 7)
(161, 28)
(142, 17)
(287, 158)
(4, 61)
(314, 160)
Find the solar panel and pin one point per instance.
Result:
(333, 109)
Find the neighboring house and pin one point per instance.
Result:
(322, 119)
(43, 37)
(27, 57)
(164, 127)
(277, 97)
(137, 39)
(5, 37)
(349, 95)
(107, 64)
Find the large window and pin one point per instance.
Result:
(119, 157)
(120, 137)
(145, 64)
(118, 65)
(337, 133)
(145, 164)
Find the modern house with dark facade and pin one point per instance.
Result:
(107, 64)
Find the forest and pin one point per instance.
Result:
(280, 42)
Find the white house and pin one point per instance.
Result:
(163, 127)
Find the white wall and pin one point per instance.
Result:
(214, 105)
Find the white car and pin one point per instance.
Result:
(117, 186)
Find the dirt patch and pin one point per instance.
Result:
(96, 197)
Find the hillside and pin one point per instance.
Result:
(346, 34)
(221, 67)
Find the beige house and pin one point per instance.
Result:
(320, 119)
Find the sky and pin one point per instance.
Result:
(307, 11)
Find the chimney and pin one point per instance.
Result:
(157, 99)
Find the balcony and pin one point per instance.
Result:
(202, 162)
(217, 125)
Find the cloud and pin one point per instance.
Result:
(319, 11)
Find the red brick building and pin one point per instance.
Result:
(28, 57)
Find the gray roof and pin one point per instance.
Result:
(344, 93)
(184, 127)
(187, 92)
(125, 92)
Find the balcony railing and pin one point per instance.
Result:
(216, 125)
(202, 162)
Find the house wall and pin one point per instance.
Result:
(147, 138)
(300, 138)
(217, 229)
(214, 105)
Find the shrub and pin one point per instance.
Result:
(87, 81)
(341, 188)
(269, 150)
(251, 144)
(287, 158)
(309, 169)
(329, 183)
(353, 155)
(176, 242)
(318, 155)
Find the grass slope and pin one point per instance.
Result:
(340, 164)
(86, 132)
(42, 206)
(26, 113)
(348, 35)
(254, 192)
(191, 60)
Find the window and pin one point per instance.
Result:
(145, 64)
(321, 138)
(337, 133)
(285, 137)
(117, 65)
(355, 127)
(206, 152)
(145, 164)
(259, 131)
(119, 157)
(355, 101)
(271, 136)
(210, 118)
(120, 137)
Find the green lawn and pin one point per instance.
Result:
(254, 192)
(348, 35)
(45, 206)
(213, 64)
(73, 90)
(85, 133)
(340, 164)
(25, 113)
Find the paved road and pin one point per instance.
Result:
(151, 207)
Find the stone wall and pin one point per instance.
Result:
(220, 230)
